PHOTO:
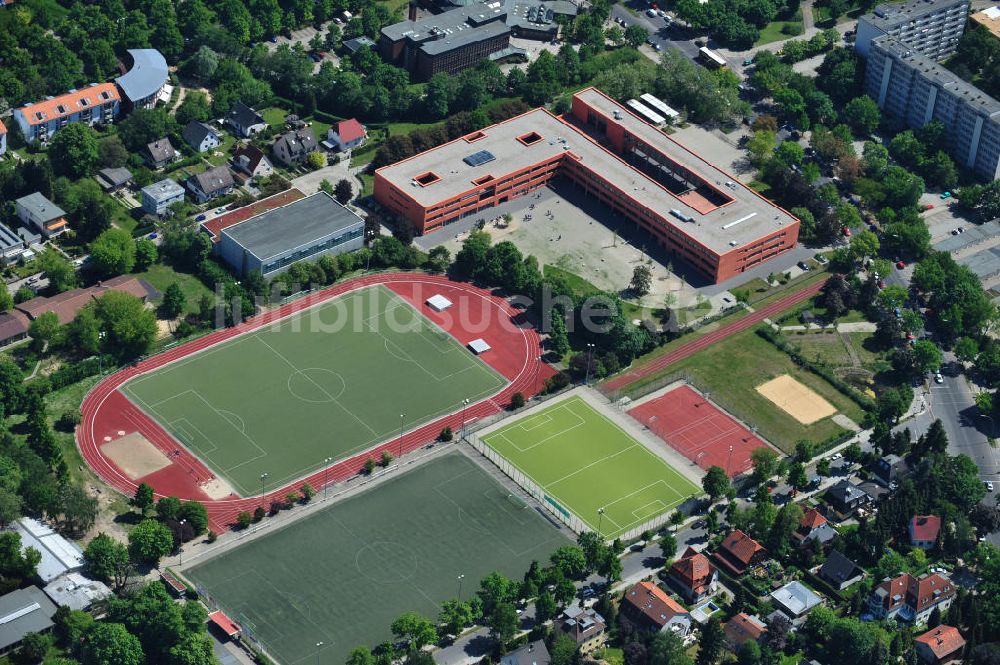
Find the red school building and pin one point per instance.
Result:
(691, 207)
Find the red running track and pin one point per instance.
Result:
(697, 429)
(516, 351)
(680, 353)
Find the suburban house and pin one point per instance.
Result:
(813, 526)
(251, 160)
(532, 653)
(743, 628)
(585, 626)
(97, 104)
(924, 530)
(200, 136)
(845, 497)
(67, 304)
(911, 599)
(12, 246)
(347, 135)
(34, 210)
(244, 121)
(693, 576)
(795, 599)
(211, 184)
(739, 552)
(13, 327)
(648, 607)
(113, 180)
(292, 147)
(159, 153)
(891, 468)
(940, 645)
(840, 572)
(21, 612)
(158, 197)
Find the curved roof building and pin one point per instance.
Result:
(142, 84)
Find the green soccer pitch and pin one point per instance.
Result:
(587, 463)
(342, 575)
(331, 381)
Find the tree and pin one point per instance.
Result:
(502, 623)
(415, 629)
(43, 330)
(17, 564)
(168, 508)
(146, 254)
(563, 649)
(926, 355)
(668, 543)
(316, 160)
(361, 656)
(34, 648)
(113, 252)
(112, 152)
(343, 191)
(73, 150)
(78, 508)
(143, 498)
(195, 514)
(715, 483)
(764, 462)
(454, 616)
(149, 541)
(797, 476)
(642, 280)
(111, 644)
(6, 300)
(193, 649)
(862, 114)
(636, 35)
(10, 507)
(107, 560)
(129, 328)
(749, 654)
(710, 645)
(570, 561)
(966, 348)
(174, 301)
(58, 270)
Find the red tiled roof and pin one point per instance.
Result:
(942, 641)
(918, 593)
(693, 569)
(228, 626)
(13, 324)
(741, 546)
(350, 130)
(924, 528)
(71, 102)
(66, 305)
(742, 628)
(653, 602)
(216, 226)
(253, 154)
(3, 127)
(811, 519)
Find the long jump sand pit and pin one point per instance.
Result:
(135, 455)
(796, 399)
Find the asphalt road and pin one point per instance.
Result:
(663, 36)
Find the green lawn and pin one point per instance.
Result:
(586, 463)
(732, 368)
(775, 31)
(275, 117)
(329, 382)
(362, 159)
(368, 180)
(342, 575)
(161, 276)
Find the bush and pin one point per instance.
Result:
(213, 536)
(259, 514)
(369, 467)
(307, 493)
(516, 401)
(446, 434)
(243, 520)
(68, 421)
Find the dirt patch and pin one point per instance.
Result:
(135, 455)
(217, 488)
(797, 400)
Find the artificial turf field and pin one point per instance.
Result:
(328, 382)
(342, 575)
(586, 462)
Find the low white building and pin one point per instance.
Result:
(59, 555)
(76, 592)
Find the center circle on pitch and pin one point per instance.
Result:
(316, 385)
(386, 562)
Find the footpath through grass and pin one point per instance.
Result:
(587, 464)
(342, 575)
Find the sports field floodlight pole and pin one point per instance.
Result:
(263, 477)
(180, 550)
(319, 645)
(401, 416)
(729, 464)
(600, 521)
(465, 405)
(326, 477)
(460, 578)
(590, 359)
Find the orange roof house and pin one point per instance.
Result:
(743, 628)
(693, 576)
(738, 552)
(939, 645)
(924, 530)
(649, 607)
(98, 103)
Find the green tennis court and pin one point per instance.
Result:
(587, 463)
(342, 575)
(331, 381)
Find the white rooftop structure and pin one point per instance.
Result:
(59, 555)
(796, 598)
(76, 592)
(438, 303)
(479, 346)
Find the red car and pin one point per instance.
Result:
(900, 264)
(909, 336)
(846, 231)
(929, 206)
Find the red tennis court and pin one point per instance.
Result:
(699, 430)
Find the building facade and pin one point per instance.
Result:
(911, 599)
(929, 27)
(303, 230)
(145, 81)
(97, 104)
(158, 197)
(693, 209)
(36, 211)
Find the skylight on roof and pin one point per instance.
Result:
(479, 158)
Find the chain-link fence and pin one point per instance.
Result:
(247, 637)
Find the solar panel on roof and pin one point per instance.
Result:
(479, 158)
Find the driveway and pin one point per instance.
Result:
(662, 35)
(309, 183)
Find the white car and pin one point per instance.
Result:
(938, 378)
(651, 13)
(836, 456)
(989, 485)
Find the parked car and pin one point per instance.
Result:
(200, 218)
(929, 206)
(989, 485)
(651, 13)
(804, 266)
(945, 195)
(846, 231)
(937, 377)
(900, 264)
